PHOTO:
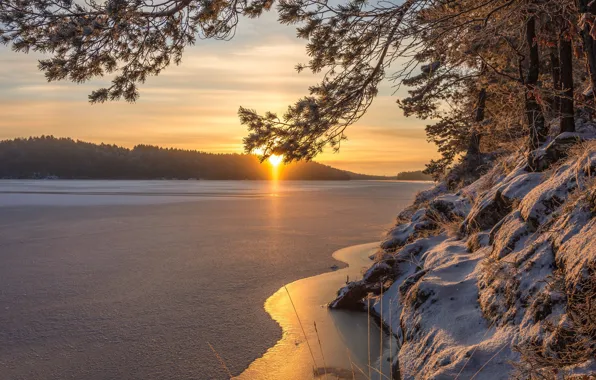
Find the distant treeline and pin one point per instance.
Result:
(51, 157)
(413, 176)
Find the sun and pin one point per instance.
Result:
(275, 160)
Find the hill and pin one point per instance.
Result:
(48, 156)
(417, 175)
(508, 259)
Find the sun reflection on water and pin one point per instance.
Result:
(343, 335)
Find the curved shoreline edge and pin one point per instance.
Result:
(338, 343)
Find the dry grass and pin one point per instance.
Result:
(582, 150)
(448, 224)
(503, 165)
(583, 195)
(582, 153)
(498, 290)
(571, 343)
(512, 145)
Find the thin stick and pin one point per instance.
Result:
(359, 369)
(301, 327)
(351, 364)
(390, 341)
(474, 351)
(489, 360)
(380, 373)
(221, 361)
(368, 332)
(321, 348)
(381, 334)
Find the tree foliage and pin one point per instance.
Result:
(482, 73)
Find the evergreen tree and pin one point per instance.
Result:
(483, 73)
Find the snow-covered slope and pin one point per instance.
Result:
(498, 279)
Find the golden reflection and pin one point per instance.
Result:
(276, 165)
(342, 335)
(275, 175)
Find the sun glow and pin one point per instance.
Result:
(275, 160)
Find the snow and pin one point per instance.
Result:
(514, 287)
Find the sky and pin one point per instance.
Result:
(194, 105)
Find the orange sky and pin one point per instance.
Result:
(194, 105)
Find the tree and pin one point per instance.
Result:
(534, 113)
(476, 69)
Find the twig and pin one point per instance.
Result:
(368, 332)
(381, 334)
(301, 327)
(321, 348)
(351, 364)
(390, 341)
(474, 350)
(489, 360)
(221, 361)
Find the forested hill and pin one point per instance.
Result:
(48, 156)
(417, 175)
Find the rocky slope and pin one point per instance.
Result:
(497, 279)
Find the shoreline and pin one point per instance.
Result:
(175, 262)
(338, 346)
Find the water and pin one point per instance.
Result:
(351, 345)
(133, 279)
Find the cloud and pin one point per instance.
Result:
(194, 105)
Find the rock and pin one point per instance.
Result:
(350, 297)
(477, 241)
(419, 215)
(404, 233)
(543, 158)
(512, 230)
(450, 206)
(499, 201)
(539, 205)
(488, 214)
(378, 272)
(407, 284)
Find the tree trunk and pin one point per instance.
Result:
(589, 6)
(556, 74)
(567, 104)
(534, 114)
(474, 145)
(481, 106)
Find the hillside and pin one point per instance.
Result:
(65, 158)
(495, 279)
(417, 175)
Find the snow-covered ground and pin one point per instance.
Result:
(498, 279)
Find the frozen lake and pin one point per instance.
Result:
(133, 279)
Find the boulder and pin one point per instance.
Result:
(350, 297)
(544, 157)
(379, 272)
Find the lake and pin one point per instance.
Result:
(134, 279)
